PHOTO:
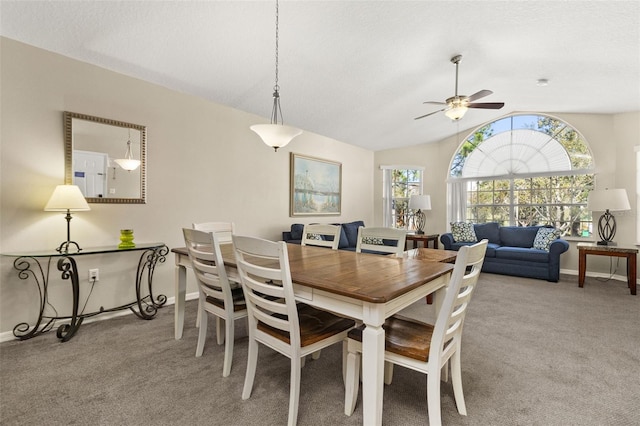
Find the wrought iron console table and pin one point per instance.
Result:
(29, 265)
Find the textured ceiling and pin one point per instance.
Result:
(357, 71)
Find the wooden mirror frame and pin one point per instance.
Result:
(68, 156)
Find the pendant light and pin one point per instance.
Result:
(128, 162)
(276, 134)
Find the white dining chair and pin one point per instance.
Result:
(381, 240)
(275, 319)
(424, 347)
(318, 234)
(216, 295)
(225, 229)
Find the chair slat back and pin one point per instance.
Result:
(224, 228)
(316, 235)
(207, 263)
(378, 239)
(447, 331)
(266, 281)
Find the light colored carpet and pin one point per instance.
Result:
(534, 353)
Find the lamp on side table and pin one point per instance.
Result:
(606, 200)
(420, 203)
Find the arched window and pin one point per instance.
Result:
(524, 169)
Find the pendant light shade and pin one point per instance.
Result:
(276, 134)
(128, 162)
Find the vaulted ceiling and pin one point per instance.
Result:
(357, 71)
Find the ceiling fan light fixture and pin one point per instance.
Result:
(456, 113)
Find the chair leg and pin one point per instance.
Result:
(316, 354)
(352, 383)
(228, 347)
(456, 378)
(198, 319)
(345, 352)
(219, 333)
(444, 372)
(388, 372)
(294, 392)
(433, 398)
(252, 360)
(202, 333)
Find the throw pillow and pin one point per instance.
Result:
(545, 237)
(463, 232)
(373, 240)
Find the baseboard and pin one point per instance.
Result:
(8, 335)
(616, 277)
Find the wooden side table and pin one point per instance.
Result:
(417, 238)
(589, 248)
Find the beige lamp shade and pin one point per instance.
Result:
(66, 197)
(608, 199)
(420, 202)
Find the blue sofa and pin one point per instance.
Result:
(511, 251)
(348, 234)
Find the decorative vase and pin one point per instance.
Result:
(126, 239)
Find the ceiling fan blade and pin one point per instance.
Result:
(431, 113)
(478, 95)
(487, 105)
(434, 103)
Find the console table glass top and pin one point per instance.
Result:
(84, 251)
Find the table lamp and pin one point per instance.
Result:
(606, 200)
(420, 203)
(67, 198)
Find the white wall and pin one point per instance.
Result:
(611, 137)
(203, 164)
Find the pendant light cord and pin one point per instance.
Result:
(276, 87)
(276, 112)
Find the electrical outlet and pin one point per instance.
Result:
(94, 275)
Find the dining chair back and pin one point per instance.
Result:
(323, 235)
(275, 319)
(424, 347)
(381, 240)
(216, 295)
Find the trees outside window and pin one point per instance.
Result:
(527, 170)
(404, 184)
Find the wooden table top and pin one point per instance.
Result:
(432, 255)
(367, 277)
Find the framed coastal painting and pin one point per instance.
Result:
(316, 186)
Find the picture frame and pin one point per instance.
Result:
(315, 186)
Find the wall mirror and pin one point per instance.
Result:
(105, 158)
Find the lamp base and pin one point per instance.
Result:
(419, 221)
(64, 247)
(606, 243)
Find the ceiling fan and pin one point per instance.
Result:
(457, 105)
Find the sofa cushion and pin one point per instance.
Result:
(344, 242)
(296, 231)
(463, 232)
(350, 230)
(518, 236)
(544, 238)
(520, 253)
(490, 231)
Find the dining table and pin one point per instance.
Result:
(366, 287)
